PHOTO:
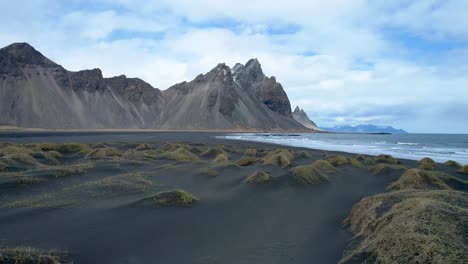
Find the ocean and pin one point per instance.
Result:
(440, 147)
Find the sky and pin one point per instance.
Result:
(400, 63)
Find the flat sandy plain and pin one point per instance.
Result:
(180, 197)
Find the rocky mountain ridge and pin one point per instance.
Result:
(39, 93)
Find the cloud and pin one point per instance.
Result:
(343, 61)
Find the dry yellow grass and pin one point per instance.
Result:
(174, 198)
(311, 174)
(409, 227)
(386, 159)
(427, 164)
(25, 255)
(463, 170)
(337, 160)
(451, 163)
(221, 158)
(250, 152)
(181, 154)
(258, 177)
(420, 179)
(102, 153)
(279, 157)
(382, 168)
(246, 161)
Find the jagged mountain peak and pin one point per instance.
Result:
(22, 54)
(85, 99)
(300, 116)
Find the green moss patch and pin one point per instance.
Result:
(258, 177)
(279, 157)
(174, 198)
(246, 161)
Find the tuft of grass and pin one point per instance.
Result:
(143, 147)
(246, 161)
(212, 152)
(323, 166)
(258, 177)
(26, 255)
(355, 163)
(304, 154)
(221, 158)
(452, 163)
(308, 175)
(30, 180)
(174, 198)
(103, 153)
(112, 185)
(427, 164)
(463, 170)
(279, 157)
(382, 168)
(361, 157)
(14, 150)
(250, 152)
(71, 170)
(19, 162)
(180, 154)
(409, 227)
(420, 179)
(386, 159)
(65, 147)
(337, 160)
(369, 161)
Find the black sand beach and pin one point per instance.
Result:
(90, 205)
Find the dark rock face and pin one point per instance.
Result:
(17, 55)
(300, 116)
(36, 92)
(267, 90)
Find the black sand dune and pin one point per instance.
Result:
(90, 205)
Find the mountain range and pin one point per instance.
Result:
(364, 129)
(36, 92)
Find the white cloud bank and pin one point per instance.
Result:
(401, 63)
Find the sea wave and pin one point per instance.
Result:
(408, 143)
